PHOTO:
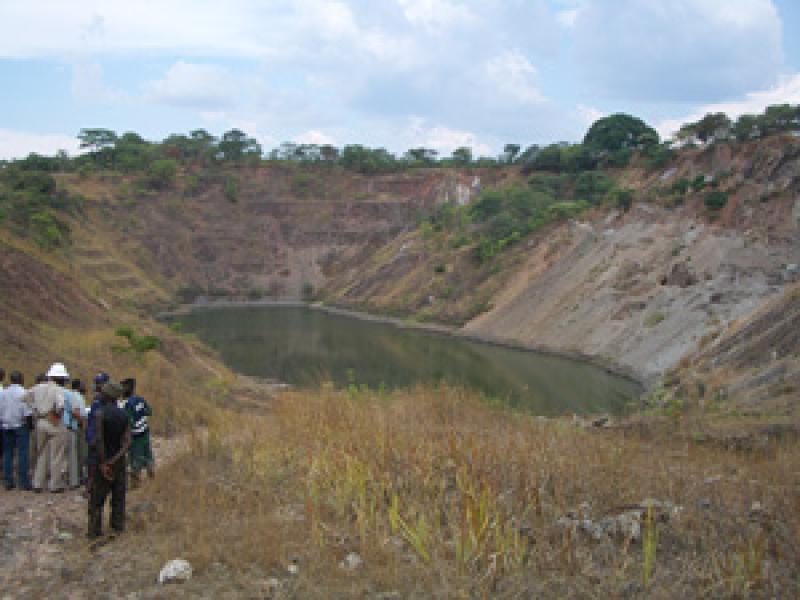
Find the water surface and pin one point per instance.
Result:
(304, 346)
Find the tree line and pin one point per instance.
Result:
(610, 142)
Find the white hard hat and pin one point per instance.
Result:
(58, 370)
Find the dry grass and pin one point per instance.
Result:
(445, 497)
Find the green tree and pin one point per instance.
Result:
(619, 132)
(713, 126)
(547, 159)
(328, 153)
(747, 127)
(131, 152)
(576, 158)
(235, 145)
(100, 143)
(462, 156)
(780, 117)
(510, 152)
(97, 139)
(424, 157)
(356, 157)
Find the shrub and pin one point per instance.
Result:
(139, 345)
(715, 200)
(681, 186)
(302, 183)
(592, 186)
(161, 173)
(699, 182)
(231, 188)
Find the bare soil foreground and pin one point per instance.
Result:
(430, 494)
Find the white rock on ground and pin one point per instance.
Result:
(351, 562)
(175, 571)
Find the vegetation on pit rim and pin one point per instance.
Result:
(500, 218)
(31, 201)
(35, 206)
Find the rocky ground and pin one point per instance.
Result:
(44, 552)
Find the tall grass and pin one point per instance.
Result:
(444, 496)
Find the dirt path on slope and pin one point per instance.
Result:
(43, 536)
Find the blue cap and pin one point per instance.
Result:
(101, 378)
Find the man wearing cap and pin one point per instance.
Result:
(52, 437)
(112, 442)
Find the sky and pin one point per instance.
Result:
(391, 73)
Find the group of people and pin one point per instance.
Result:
(57, 442)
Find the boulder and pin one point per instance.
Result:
(679, 275)
(175, 571)
(351, 562)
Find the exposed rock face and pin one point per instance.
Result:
(609, 295)
(272, 242)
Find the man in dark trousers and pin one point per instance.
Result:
(112, 442)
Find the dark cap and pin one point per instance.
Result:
(101, 378)
(111, 390)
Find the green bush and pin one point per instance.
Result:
(506, 215)
(592, 186)
(160, 174)
(139, 345)
(699, 182)
(303, 183)
(715, 200)
(681, 186)
(231, 188)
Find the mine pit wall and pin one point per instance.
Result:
(639, 293)
(264, 246)
(275, 249)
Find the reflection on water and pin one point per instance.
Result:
(303, 346)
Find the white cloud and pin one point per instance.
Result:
(589, 114)
(444, 139)
(435, 14)
(88, 85)
(787, 91)
(203, 86)
(514, 75)
(566, 18)
(18, 144)
(681, 50)
(315, 136)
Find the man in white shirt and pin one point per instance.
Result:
(74, 416)
(14, 414)
(52, 437)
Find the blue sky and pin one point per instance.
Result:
(392, 73)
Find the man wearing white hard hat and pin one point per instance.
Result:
(52, 437)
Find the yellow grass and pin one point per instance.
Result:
(445, 497)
